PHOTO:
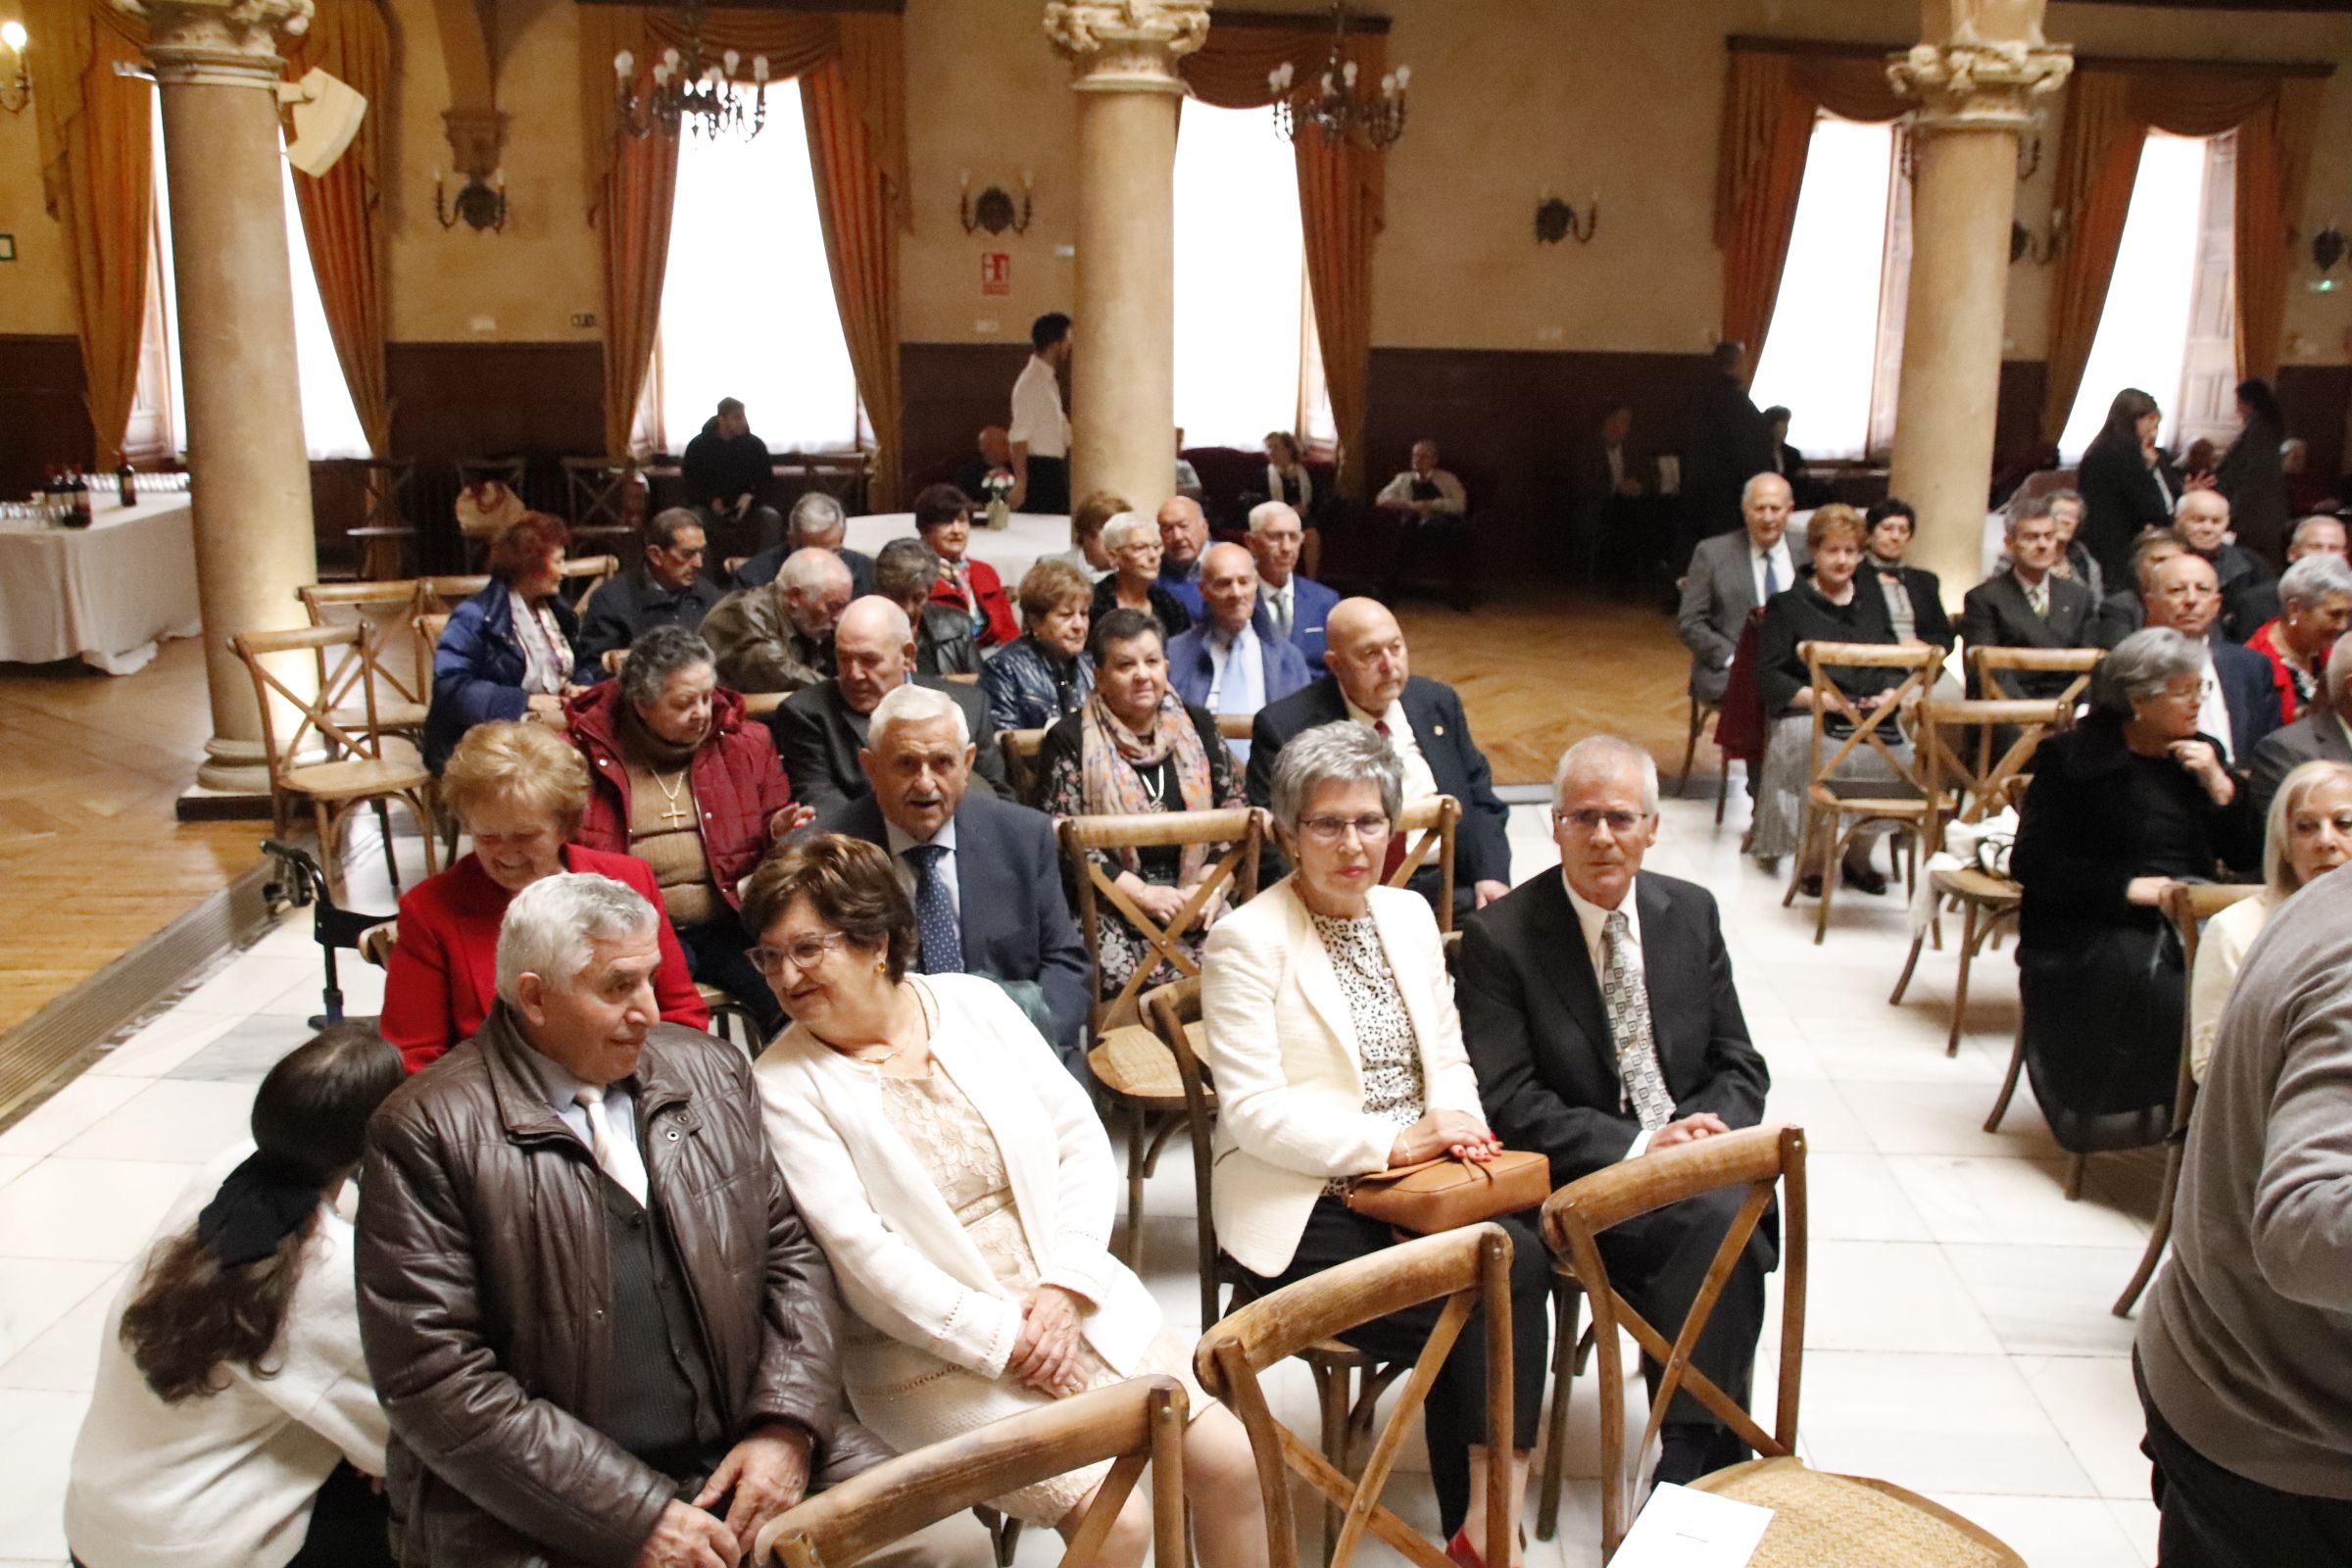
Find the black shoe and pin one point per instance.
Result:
(1811, 885)
(1683, 1453)
(1862, 878)
(1770, 862)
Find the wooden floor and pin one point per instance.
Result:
(92, 861)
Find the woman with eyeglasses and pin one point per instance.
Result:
(962, 1188)
(1331, 1031)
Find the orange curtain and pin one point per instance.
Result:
(640, 193)
(2110, 110)
(97, 179)
(342, 209)
(1770, 98)
(1342, 198)
(864, 208)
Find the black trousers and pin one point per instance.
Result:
(1658, 1262)
(350, 1525)
(1438, 543)
(1049, 485)
(718, 953)
(2215, 1518)
(1456, 1415)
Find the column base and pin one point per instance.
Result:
(231, 782)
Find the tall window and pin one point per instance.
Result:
(2168, 326)
(1822, 356)
(330, 423)
(747, 304)
(1247, 358)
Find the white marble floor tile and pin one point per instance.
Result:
(1928, 1118)
(64, 1357)
(1820, 1109)
(1890, 1297)
(2008, 1202)
(96, 1210)
(1936, 1423)
(74, 1108)
(36, 1446)
(2139, 1520)
(12, 1167)
(247, 982)
(172, 1120)
(2050, 1531)
(163, 1044)
(1856, 1197)
(35, 1292)
(2049, 1300)
(2092, 1403)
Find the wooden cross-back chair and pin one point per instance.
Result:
(586, 574)
(1830, 802)
(1701, 710)
(1131, 1069)
(1437, 820)
(385, 609)
(446, 593)
(383, 534)
(2188, 906)
(1132, 1424)
(1469, 1269)
(1820, 1519)
(359, 773)
(594, 497)
(1996, 669)
(1021, 748)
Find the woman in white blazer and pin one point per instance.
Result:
(233, 1424)
(1331, 1031)
(962, 1190)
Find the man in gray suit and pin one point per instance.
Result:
(2320, 735)
(1731, 575)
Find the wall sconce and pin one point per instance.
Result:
(1556, 221)
(2327, 249)
(16, 92)
(2040, 248)
(994, 211)
(480, 203)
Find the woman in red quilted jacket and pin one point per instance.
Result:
(677, 780)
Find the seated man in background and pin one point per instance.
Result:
(2317, 536)
(1232, 661)
(983, 874)
(1731, 575)
(2029, 606)
(729, 474)
(679, 780)
(2320, 735)
(780, 637)
(1603, 476)
(943, 520)
(2314, 597)
(1183, 536)
(991, 456)
(1298, 606)
(818, 522)
(2125, 611)
(905, 573)
(821, 728)
(2238, 705)
(666, 588)
(2075, 558)
(566, 1380)
(2249, 593)
(1187, 477)
(1600, 1011)
(1430, 509)
(1373, 684)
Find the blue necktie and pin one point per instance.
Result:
(1772, 579)
(935, 913)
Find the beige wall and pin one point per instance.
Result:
(1510, 97)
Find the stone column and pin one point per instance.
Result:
(217, 66)
(1975, 73)
(1122, 56)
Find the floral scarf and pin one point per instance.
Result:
(1110, 753)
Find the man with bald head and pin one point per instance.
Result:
(2318, 535)
(2249, 593)
(1232, 661)
(821, 728)
(1731, 576)
(2240, 703)
(779, 638)
(1373, 684)
(1183, 540)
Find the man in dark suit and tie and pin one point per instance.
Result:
(1731, 575)
(982, 873)
(1373, 684)
(1299, 606)
(2029, 606)
(821, 729)
(2240, 700)
(2319, 735)
(1598, 1009)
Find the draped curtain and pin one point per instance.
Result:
(1341, 189)
(853, 86)
(2111, 106)
(97, 179)
(1770, 102)
(342, 209)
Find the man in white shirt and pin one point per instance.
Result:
(1733, 574)
(1430, 508)
(1598, 1009)
(2238, 705)
(1232, 661)
(1041, 429)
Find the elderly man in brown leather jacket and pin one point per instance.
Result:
(601, 1331)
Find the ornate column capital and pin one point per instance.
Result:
(1126, 45)
(219, 42)
(1971, 83)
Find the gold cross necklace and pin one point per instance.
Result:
(670, 791)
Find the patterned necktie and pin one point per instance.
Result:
(2038, 596)
(630, 1175)
(1643, 1085)
(935, 911)
(1772, 578)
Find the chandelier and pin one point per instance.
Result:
(692, 93)
(1336, 108)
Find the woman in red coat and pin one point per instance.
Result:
(519, 790)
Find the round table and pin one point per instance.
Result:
(106, 594)
(1012, 549)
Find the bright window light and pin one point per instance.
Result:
(747, 304)
(1821, 350)
(330, 421)
(1242, 320)
(2143, 329)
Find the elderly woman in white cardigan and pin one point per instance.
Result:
(962, 1190)
(1332, 1033)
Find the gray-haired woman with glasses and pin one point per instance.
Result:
(1331, 1029)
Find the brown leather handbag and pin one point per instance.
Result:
(1447, 1194)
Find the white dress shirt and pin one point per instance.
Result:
(1594, 920)
(901, 841)
(1451, 497)
(1038, 420)
(1419, 782)
(1784, 569)
(1236, 677)
(621, 1114)
(2213, 712)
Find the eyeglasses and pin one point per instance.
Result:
(1332, 829)
(804, 955)
(1617, 822)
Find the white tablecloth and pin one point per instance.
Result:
(1012, 549)
(105, 594)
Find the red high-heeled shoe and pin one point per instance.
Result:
(1464, 1554)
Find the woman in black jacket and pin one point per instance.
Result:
(1914, 595)
(2127, 484)
(2122, 806)
(2253, 476)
